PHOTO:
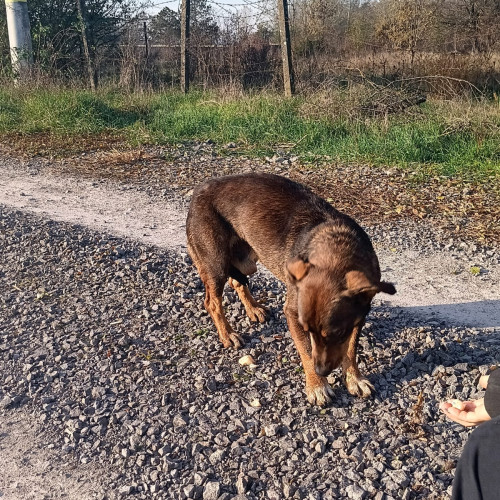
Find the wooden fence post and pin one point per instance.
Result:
(185, 15)
(286, 49)
(146, 41)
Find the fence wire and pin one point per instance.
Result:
(237, 43)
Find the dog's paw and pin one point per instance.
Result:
(359, 386)
(236, 341)
(319, 393)
(257, 313)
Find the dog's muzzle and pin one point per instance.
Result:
(322, 370)
(325, 358)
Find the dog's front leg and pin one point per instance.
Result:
(318, 389)
(356, 384)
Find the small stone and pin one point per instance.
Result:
(6, 402)
(320, 447)
(247, 360)
(126, 490)
(271, 430)
(189, 491)
(180, 421)
(241, 484)
(355, 492)
(211, 491)
(217, 456)
(198, 479)
(338, 444)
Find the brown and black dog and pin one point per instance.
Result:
(326, 260)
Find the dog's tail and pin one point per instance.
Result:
(236, 274)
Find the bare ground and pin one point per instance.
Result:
(31, 470)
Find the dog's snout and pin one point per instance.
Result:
(325, 362)
(322, 370)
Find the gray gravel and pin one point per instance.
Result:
(107, 343)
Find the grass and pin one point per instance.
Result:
(451, 138)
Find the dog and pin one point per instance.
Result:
(323, 256)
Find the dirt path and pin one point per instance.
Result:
(435, 285)
(32, 471)
(98, 205)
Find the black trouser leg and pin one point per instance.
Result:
(478, 471)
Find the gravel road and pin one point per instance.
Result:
(113, 383)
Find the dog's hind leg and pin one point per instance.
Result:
(213, 304)
(356, 384)
(208, 246)
(254, 310)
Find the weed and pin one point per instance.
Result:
(202, 332)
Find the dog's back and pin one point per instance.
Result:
(274, 215)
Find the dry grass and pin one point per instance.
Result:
(444, 75)
(358, 101)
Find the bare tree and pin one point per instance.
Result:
(406, 23)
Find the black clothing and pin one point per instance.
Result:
(492, 396)
(478, 470)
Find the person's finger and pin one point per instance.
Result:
(483, 381)
(459, 405)
(444, 405)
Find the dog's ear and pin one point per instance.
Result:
(297, 268)
(387, 288)
(358, 284)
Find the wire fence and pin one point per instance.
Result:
(237, 44)
(231, 44)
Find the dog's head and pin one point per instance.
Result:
(330, 307)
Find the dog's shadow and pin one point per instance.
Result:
(388, 324)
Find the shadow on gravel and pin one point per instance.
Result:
(445, 354)
(481, 314)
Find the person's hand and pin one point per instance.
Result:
(483, 381)
(467, 413)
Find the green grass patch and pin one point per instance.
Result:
(440, 137)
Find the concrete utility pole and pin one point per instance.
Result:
(185, 15)
(286, 48)
(18, 25)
